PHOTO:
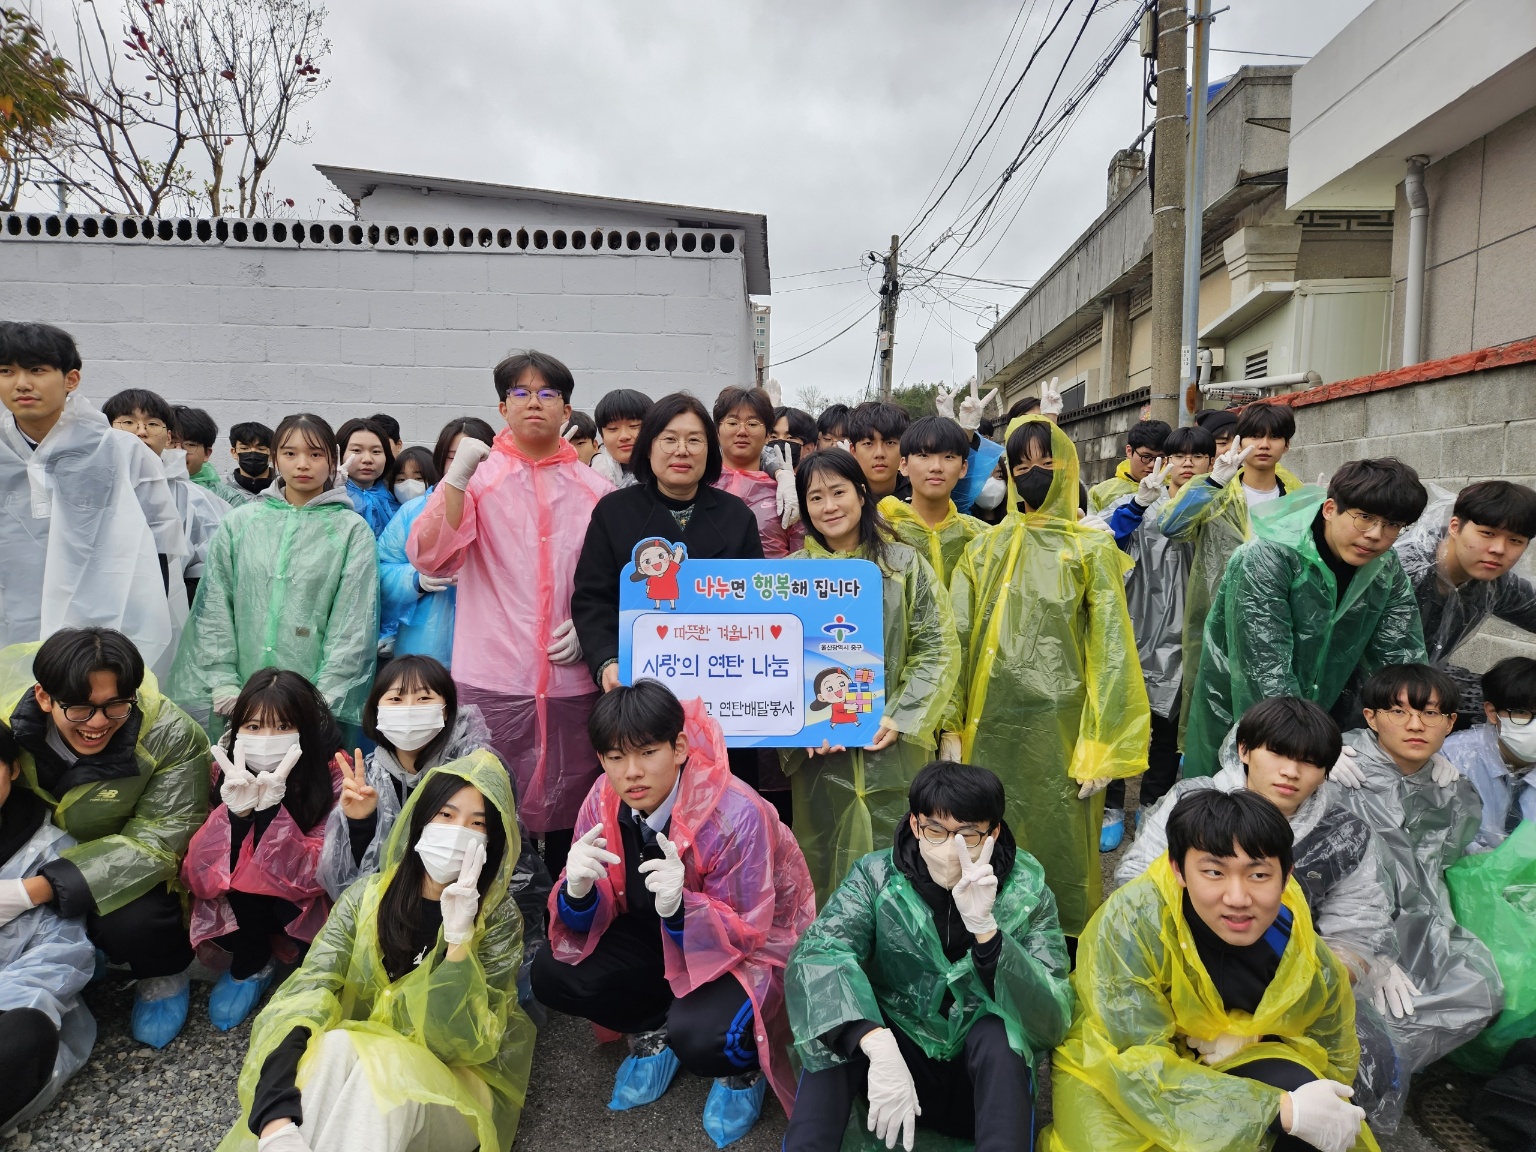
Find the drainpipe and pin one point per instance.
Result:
(1418, 234)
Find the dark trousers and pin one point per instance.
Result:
(146, 934)
(1283, 1074)
(259, 918)
(623, 987)
(1162, 766)
(554, 847)
(29, 1044)
(984, 1094)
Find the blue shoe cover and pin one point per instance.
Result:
(158, 1022)
(642, 1080)
(1112, 834)
(100, 972)
(231, 1000)
(729, 1113)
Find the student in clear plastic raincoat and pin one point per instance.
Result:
(1317, 595)
(848, 800)
(1210, 1016)
(934, 455)
(743, 419)
(681, 901)
(402, 1030)
(291, 581)
(1051, 696)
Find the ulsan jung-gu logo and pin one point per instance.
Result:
(839, 629)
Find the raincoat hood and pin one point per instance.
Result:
(1061, 499)
(1289, 520)
(943, 545)
(334, 495)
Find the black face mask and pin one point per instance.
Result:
(794, 450)
(1033, 487)
(254, 463)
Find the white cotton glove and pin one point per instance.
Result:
(944, 403)
(607, 467)
(1230, 462)
(568, 433)
(1322, 1116)
(289, 1139)
(664, 877)
(1097, 520)
(238, 787)
(1051, 402)
(951, 746)
(973, 407)
(1395, 994)
(564, 644)
(893, 1106)
(224, 705)
(1224, 1047)
(435, 583)
(465, 460)
(1153, 484)
(976, 890)
(13, 900)
(587, 863)
(272, 786)
(1346, 772)
(344, 472)
(1093, 787)
(785, 501)
(774, 392)
(1442, 771)
(461, 900)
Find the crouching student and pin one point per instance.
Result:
(932, 981)
(126, 774)
(253, 867)
(1498, 756)
(46, 1031)
(934, 455)
(679, 905)
(1209, 1013)
(402, 1030)
(1423, 816)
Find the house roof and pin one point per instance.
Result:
(358, 183)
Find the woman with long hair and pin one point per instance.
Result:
(252, 866)
(368, 464)
(407, 1002)
(848, 800)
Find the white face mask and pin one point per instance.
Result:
(1518, 742)
(264, 753)
(408, 490)
(943, 864)
(991, 494)
(410, 726)
(442, 848)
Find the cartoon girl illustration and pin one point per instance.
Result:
(656, 562)
(830, 689)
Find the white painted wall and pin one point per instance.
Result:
(255, 331)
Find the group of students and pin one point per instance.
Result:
(395, 841)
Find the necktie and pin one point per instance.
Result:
(1515, 814)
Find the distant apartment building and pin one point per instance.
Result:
(760, 333)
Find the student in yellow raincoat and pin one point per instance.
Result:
(1210, 1016)
(935, 451)
(849, 799)
(402, 1028)
(1143, 448)
(1051, 696)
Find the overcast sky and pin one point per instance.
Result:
(833, 117)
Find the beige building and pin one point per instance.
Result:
(761, 314)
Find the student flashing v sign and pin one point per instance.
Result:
(785, 653)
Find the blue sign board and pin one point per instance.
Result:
(785, 653)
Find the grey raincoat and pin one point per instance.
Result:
(45, 960)
(1154, 593)
(200, 509)
(1421, 829)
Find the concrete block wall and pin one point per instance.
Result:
(1100, 434)
(259, 331)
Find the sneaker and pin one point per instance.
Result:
(1112, 831)
(160, 1009)
(647, 1072)
(231, 1000)
(733, 1106)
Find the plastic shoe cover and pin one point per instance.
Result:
(231, 1000)
(160, 1009)
(642, 1080)
(729, 1113)
(100, 972)
(1112, 833)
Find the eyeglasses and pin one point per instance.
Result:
(1426, 715)
(692, 445)
(545, 395)
(1146, 457)
(1188, 457)
(129, 424)
(112, 710)
(938, 834)
(1519, 717)
(1367, 522)
(730, 424)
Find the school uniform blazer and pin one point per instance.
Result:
(722, 528)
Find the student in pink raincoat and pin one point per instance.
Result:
(679, 907)
(744, 418)
(509, 521)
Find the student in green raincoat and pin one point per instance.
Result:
(935, 452)
(847, 800)
(1316, 596)
(125, 772)
(402, 1029)
(290, 581)
(1051, 696)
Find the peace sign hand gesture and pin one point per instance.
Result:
(1230, 462)
(238, 787)
(358, 800)
(944, 402)
(460, 901)
(1150, 490)
(972, 407)
(271, 786)
(976, 890)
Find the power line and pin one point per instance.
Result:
(824, 343)
(1245, 52)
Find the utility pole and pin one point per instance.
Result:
(890, 291)
(1168, 211)
(1194, 216)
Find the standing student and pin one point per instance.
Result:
(366, 462)
(1221, 424)
(1051, 696)
(413, 473)
(402, 1031)
(832, 426)
(1317, 594)
(678, 934)
(934, 455)
(46, 1031)
(91, 534)
(794, 426)
(126, 774)
(418, 612)
(391, 429)
(1143, 449)
(618, 417)
(508, 522)
(743, 417)
(874, 436)
(253, 867)
(1497, 756)
(198, 433)
(848, 799)
(291, 582)
(581, 431)
(983, 453)
(250, 444)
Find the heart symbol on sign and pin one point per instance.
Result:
(661, 630)
(776, 629)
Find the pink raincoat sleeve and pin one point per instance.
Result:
(569, 946)
(759, 492)
(433, 547)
